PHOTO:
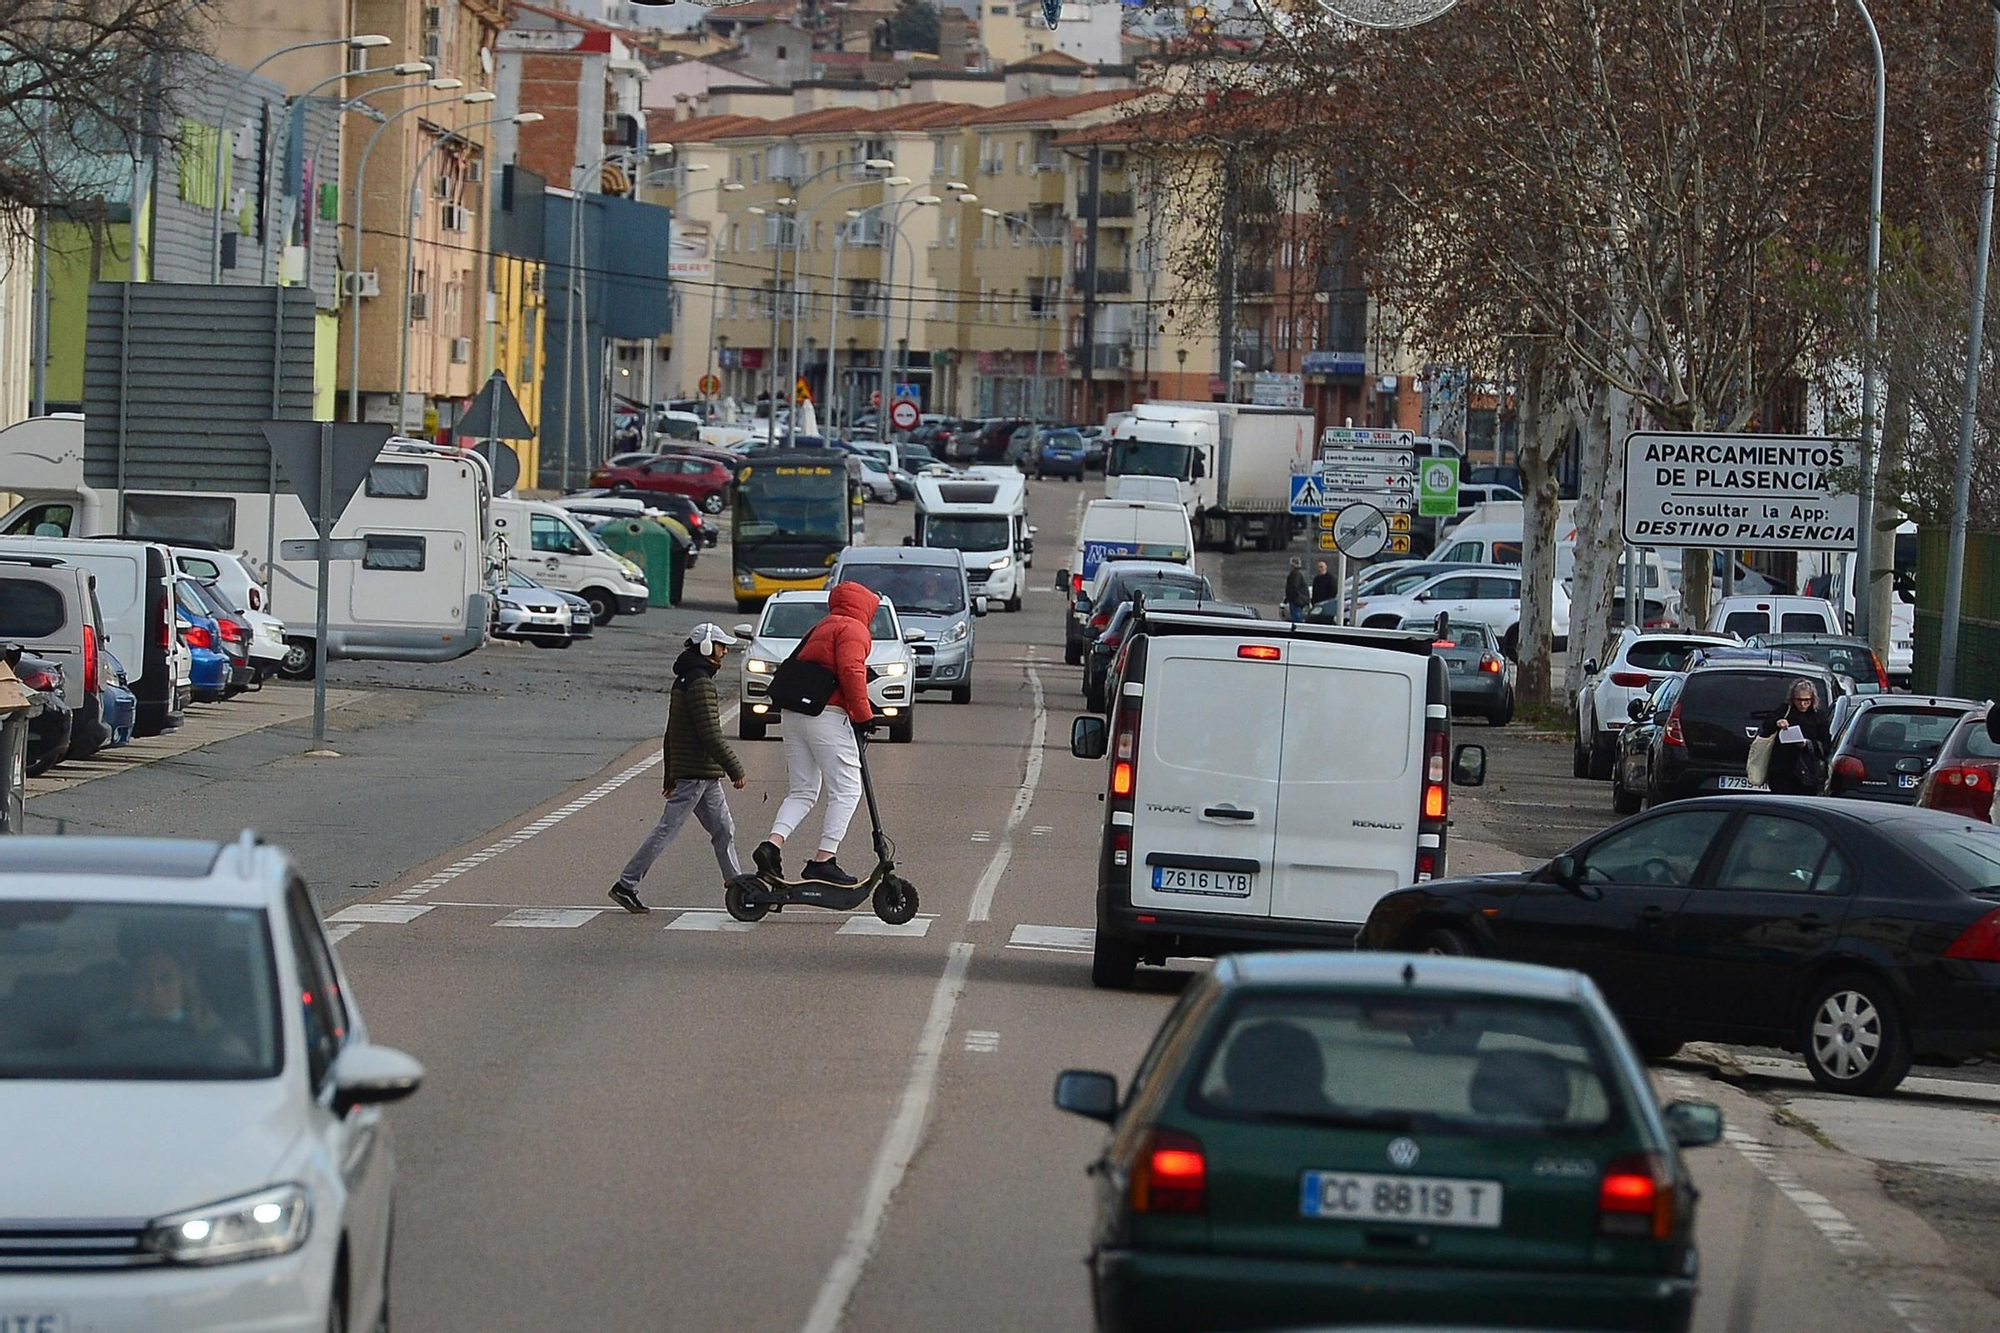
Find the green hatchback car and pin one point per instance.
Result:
(1324, 1140)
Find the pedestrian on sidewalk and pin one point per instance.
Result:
(698, 759)
(822, 746)
(1323, 589)
(1297, 591)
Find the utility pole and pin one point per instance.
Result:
(1089, 413)
(1225, 283)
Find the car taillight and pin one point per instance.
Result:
(1259, 652)
(229, 630)
(1881, 675)
(1631, 680)
(1962, 789)
(198, 637)
(1635, 1198)
(1849, 768)
(1170, 1175)
(1111, 640)
(39, 678)
(1490, 664)
(166, 614)
(1076, 585)
(1979, 942)
(90, 659)
(1671, 733)
(1100, 620)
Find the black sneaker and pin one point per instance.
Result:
(769, 860)
(628, 899)
(829, 872)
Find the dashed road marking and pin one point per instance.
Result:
(982, 835)
(1041, 830)
(982, 1043)
(720, 922)
(551, 918)
(1031, 777)
(915, 928)
(1063, 939)
(385, 914)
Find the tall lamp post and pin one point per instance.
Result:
(895, 209)
(410, 246)
(1048, 244)
(366, 42)
(1864, 548)
(407, 68)
(361, 235)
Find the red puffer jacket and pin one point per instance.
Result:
(842, 642)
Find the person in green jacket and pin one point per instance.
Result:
(698, 758)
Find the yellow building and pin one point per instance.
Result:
(516, 331)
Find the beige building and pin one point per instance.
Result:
(17, 321)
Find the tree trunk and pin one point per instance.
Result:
(1600, 537)
(1540, 428)
(1881, 586)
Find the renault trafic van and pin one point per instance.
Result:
(558, 551)
(1220, 836)
(1149, 529)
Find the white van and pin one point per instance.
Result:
(1745, 616)
(986, 519)
(1219, 836)
(1150, 529)
(134, 587)
(1136, 487)
(549, 543)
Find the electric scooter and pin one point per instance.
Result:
(752, 897)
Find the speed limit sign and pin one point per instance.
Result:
(903, 414)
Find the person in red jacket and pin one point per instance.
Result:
(823, 747)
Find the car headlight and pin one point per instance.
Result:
(958, 632)
(255, 1226)
(509, 604)
(1002, 563)
(632, 571)
(757, 666)
(745, 581)
(896, 669)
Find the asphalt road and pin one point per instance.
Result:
(676, 1122)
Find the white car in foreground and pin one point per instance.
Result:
(1490, 594)
(788, 617)
(1603, 704)
(173, 1011)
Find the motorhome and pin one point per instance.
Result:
(420, 591)
(985, 518)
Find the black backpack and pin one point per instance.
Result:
(803, 687)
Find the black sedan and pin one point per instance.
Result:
(1862, 935)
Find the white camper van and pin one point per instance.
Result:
(986, 518)
(557, 548)
(419, 593)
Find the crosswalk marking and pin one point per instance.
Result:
(378, 914)
(915, 928)
(714, 921)
(982, 1043)
(549, 918)
(1073, 939)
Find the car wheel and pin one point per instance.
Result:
(748, 728)
(1501, 714)
(1579, 759)
(297, 663)
(602, 605)
(1510, 643)
(1114, 963)
(1601, 760)
(1072, 653)
(1447, 942)
(904, 729)
(1853, 1036)
(1656, 1049)
(1622, 802)
(1013, 603)
(712, 503)
(962, 694)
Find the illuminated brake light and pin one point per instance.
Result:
(90, 659)
(1258, 652)
(1490, 664)
(1076, 584)
(1434, 801)
(1979, 942)
(198, 637)
(1170, 1175)
(1121, 778)
(1634, 1199)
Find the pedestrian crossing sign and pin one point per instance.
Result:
(1307, 497)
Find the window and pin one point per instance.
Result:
(552, 535)
(951, 233)
(1664, 851)
(209, 520)
(1459, 589)
(399, 481)
(1497, 590)
(401, 554)
(320, 1002)
(756, 169)
(30, 610)
(1803, 622)
(1772, 854)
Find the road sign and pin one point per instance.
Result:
(1360, 531)
(1326, 541)
(1389, 502)
(351, 448)
(1399, 542)
(709, 386)
(1349, 437)
(1739, 492)
(1326, 521)
(907, 393)
(341, 548)
(903, 414)
(1437, 488)
(802, 392)
(1392, 460)
(1338, 478)
(1399, 523)
(1271, 388)
(1307, 496)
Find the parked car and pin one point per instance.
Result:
(49, 730)
(985, 441)
(582, 621)
(1764, 613)
(1961, 779)
(208, 666)
(1482, 679)
(1058, 453)
(1842, 654)
(1603, 704)
(121, 706)
(1094, 448)
(531, 613)
(1703, 742)
(184, 1012)
(1489, 594)
(703, 480)
(1640, 741)
(788, 617)
(1884, 743)
(1861, 934)
(1113, 584)
(1403, 1141)
(233, 631)
(49, 607)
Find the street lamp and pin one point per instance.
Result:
(360, 103)
(792, 423)
(1048, 246)
(714, 284)
(360, 204)
(410, 245)
(895, 207)
(366, 42)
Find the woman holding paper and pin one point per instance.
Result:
(1800, 743)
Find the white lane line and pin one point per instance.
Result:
(1052, 937)
(915, 928)
(899, 1146)
(989, 883)
(550, 918)
(335, 934)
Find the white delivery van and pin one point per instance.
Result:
(985, 518)
(1149, 529)
(1135, 487)
(1491, 534)
(558, 549)
(1745, 616)
(420, 592)
(1219, 836)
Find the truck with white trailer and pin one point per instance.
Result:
(1233, 462)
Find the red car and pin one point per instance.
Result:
(1961, 779)
(702, 480)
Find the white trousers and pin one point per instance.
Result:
(819, 748)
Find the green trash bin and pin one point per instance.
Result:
(649, 544)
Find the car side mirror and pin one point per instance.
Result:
(1693, 1124)
(1027, 546)
(1468, 766)
(1912, 764)
(1590, 666)
(369, 1075)
(1421, 597)
(1082, 606)
(1635, 709)
(1062, 579)
(914, 636)
(1086, 1092)
(909, 541)
(1564, 871)
(1089, 738)
(1032, 529)
(979, 606)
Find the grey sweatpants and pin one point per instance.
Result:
(701, 797)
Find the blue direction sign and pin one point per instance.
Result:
(1307, 495)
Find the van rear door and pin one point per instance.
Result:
(1205, 808)
(1350, 770)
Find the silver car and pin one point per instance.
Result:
(527, 611)
(928, 584)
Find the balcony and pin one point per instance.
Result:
(1109, 204)
(1253, 281)
(1110, 281)
(1105, 356)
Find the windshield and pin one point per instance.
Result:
(1458, 634)
(984, 532)
(1846, 659)
(1395, 585)
(1149, 458)
(1408, 1062)
(136, 991)
(1669, 656)
(794, 620)
(917, 590)
(806, 503)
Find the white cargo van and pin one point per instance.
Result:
(133, 582)
(1150, 529)
(985, 518)
(1219, 836)
(560, 552)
